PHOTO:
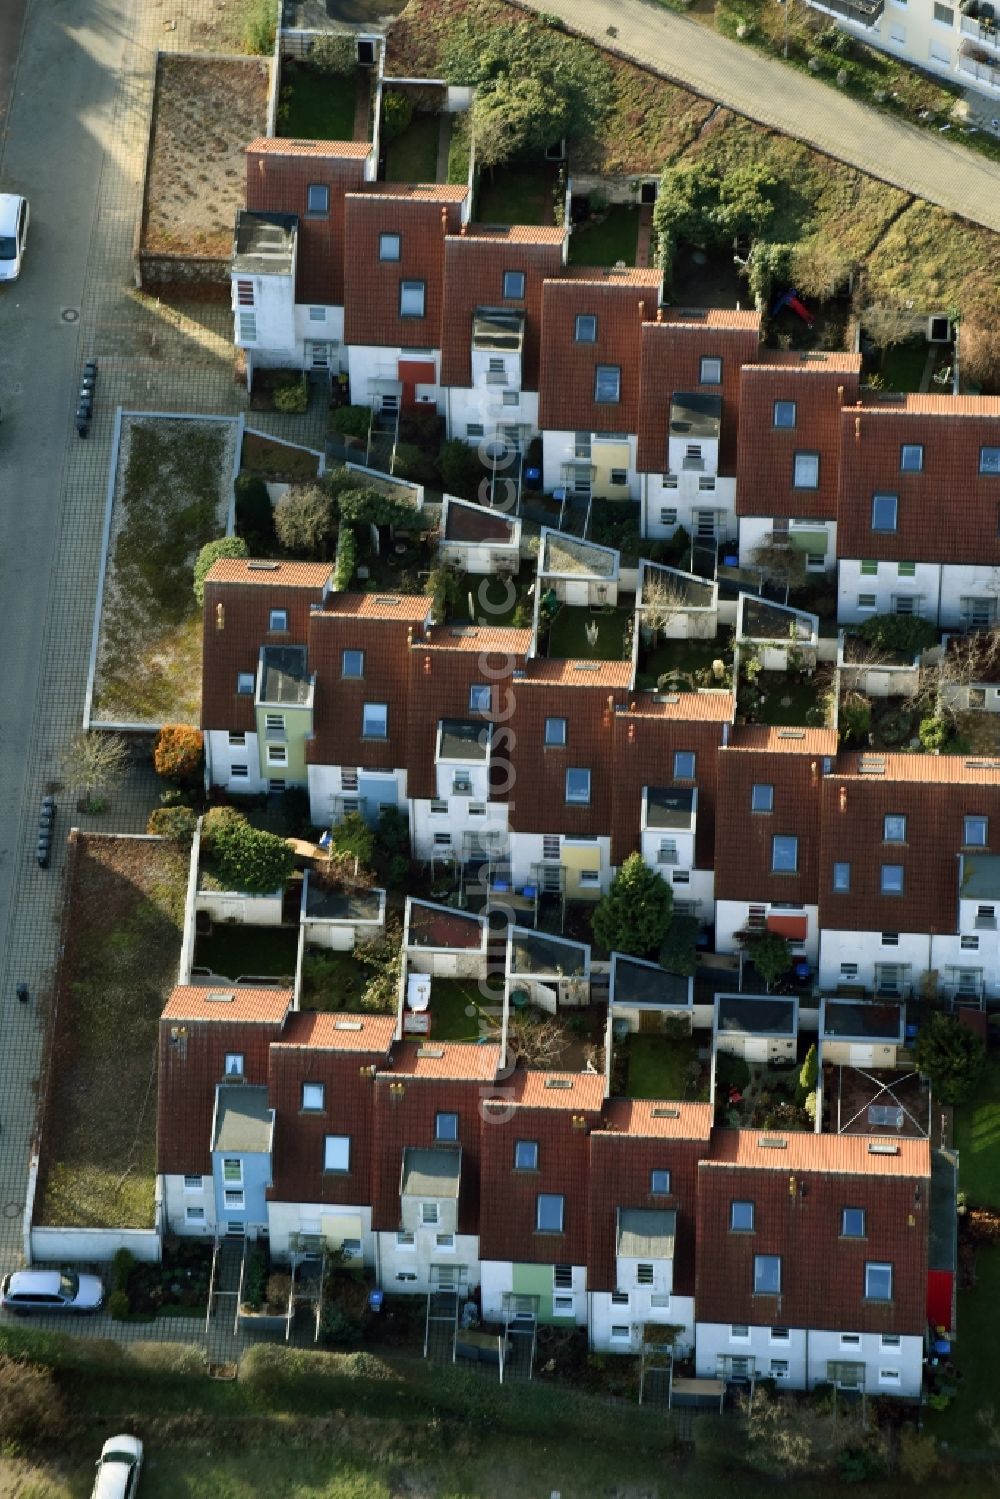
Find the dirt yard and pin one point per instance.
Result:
(205, 114)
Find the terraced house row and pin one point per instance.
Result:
(804, 1257)
(680, 410)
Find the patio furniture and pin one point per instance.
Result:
(885, 1116)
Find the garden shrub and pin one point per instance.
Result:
(397, 112)
(354, 838)
(176, 823)
(415, 466)
(934, 734)
(178, 752)
(246, 858)
(334, 52)
(635, 914)
(352, 421)
(855, 718)
(305, 521)
(259, 23)
(32, 1408)
(339, 1325)
(118, 1305)
(121, 1268)
(255, 1279)
(443, 586)
(291, 398)
(223, 546)
(771, 955)
(153, 1360)
(461, 468)
(906, 633)
(372, 507)
(346, 559)
(952, 1055)
(678, 950)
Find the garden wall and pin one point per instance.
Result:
(198, 278)
(235, 907)
(76, 1246)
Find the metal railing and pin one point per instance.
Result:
(861, 12)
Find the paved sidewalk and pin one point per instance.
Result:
(779, 96)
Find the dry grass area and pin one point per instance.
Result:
(125, 912)
(204, 115)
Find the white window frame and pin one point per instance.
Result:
(337, 1150)
(189, 1183)
(313, 1099)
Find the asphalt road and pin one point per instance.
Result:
(57, 131)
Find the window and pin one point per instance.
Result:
(277, 754)
(313, 1097)
(659, 1183)
(767, 1274)
(549, 1213)
(780, 1335)
(684, 765)
(411, 298)
(848, 971)
(245, 683)
(317, 199)
(578, 786)
(274, 724)
(444, 1241)
(555, 733)
(511, 398)
(607, 383)
(878, 1281)
(562, 1277)
(989, 460)
(784, 855)
(619, 1298)
(337, 1153)
(244, 293)
(890, 939)
(619, 476)
(644, 1275)
(884, 508)
(239, 773)
(852, 1223)
(194, 1215)
(892, 879)
(406, 1239)
(428, 1213)
(477, 809)
(890, 1340)
(975, 832)
(406, 1275)
(762, 798)
(480, 698)
(234, 1200)
(779, 1368)
(586, 328)
(741, 1217)
(526, 1155)
(620, 1333)
(590, 877)
(969, 944)
(805, 474)
(850, 1340)
(193, 1183)
(944, 15)
(869, 567)
(234, 1064)
(446, 1127)
(739, 1332)
(352, 664)
(390, 246)
(710, 371)
(474, 429)
(894, 828)
(867, 600)
(375, 721)
(911, 457)
(986, 918)
(892, 1376)
(906, 569)
(784, 413)
(513, 285)
(550, 845)
(842, 878)
(237, 740)
(248, 327)
(563, 1306)
(278, 620)
(317, 314)
(667, 517)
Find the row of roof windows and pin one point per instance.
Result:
(743, 1220)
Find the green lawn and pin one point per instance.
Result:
(517, 194)
(975, 1358)
(490, 599)
(681, 657)
(333, 980)
(613, 239)
(451, 1002)
(661, 1067)
(791, 703)
(317, 106)
(234, 950)
(977, 1138)
(568, 634)
(903, 364)
(412, 156)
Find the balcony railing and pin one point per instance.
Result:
(981, 71)
(981, 30)
(861, 12)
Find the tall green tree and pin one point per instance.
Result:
(636, 913)
(951, 1055)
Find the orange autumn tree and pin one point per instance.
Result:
(177, 753)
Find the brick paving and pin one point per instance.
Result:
(782, 98)
(151, 357)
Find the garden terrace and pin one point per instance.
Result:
(859, 652)
(785, 702)
(236, 951)
(860, 1101)
(579, 633)
(684, 665)
(521, 192)
(569, 1041)
(660, 1067)
(760, 1095)
(123, 916)
(419, 152)
(335, 980)
(481, 599)
(314, 105)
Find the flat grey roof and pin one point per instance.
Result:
(647, 1231)
(640, 984)
(463, 739)
(431, 1173)
(534, 952)
(944, 1218)
(342, 905)
(285, 677)
(980, 876)
(242, 1120)
(669, 806)
(850, 1018)
(695, 414)
(763, 620)
(265, 242)
(756, 1015)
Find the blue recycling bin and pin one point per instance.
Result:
(375, 1301)
(532, 475)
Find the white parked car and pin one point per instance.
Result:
(25, 1291)
(118, 1468)
(15, 216)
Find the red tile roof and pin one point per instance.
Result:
(441, 674)
(509, 1198)
(406, 606)
(475, 639)
(708, 706)
(644, 746)
(188, 1002)
(297, 1163)
(343, 1032)
(527, 1089)
(338, 713)
(246, 599)
(256, 574)
(783, 741)
(621, 304)
(620, 1177)
(538, 773)
(422, 218)
(648, 1119)
(191, 1063)
(672, 350)
(841, 1155)
(948, 512)
(475, 263)
(578, 673)
(797, 781)
(279, 175)
(819, 385)
(407, 1119)
(458, 1061)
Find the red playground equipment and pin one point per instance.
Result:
(791, 300)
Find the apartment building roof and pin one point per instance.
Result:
(672, 350)
(279, 175)
(339, 712)
(309, 1052)
(788, 408)
(407, 1116)
(509, 1198)
(373, 311)
(558, 673)
(238, 616)
(947, 494)
(573, 1091)
(538, 790)
(257, 573)
(906, 881)
(413, 607)
(475, 265)
(759, 737)
(619, 303)
(646, 738)
(475, 639)
(801, 1150)
(227, 1003)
